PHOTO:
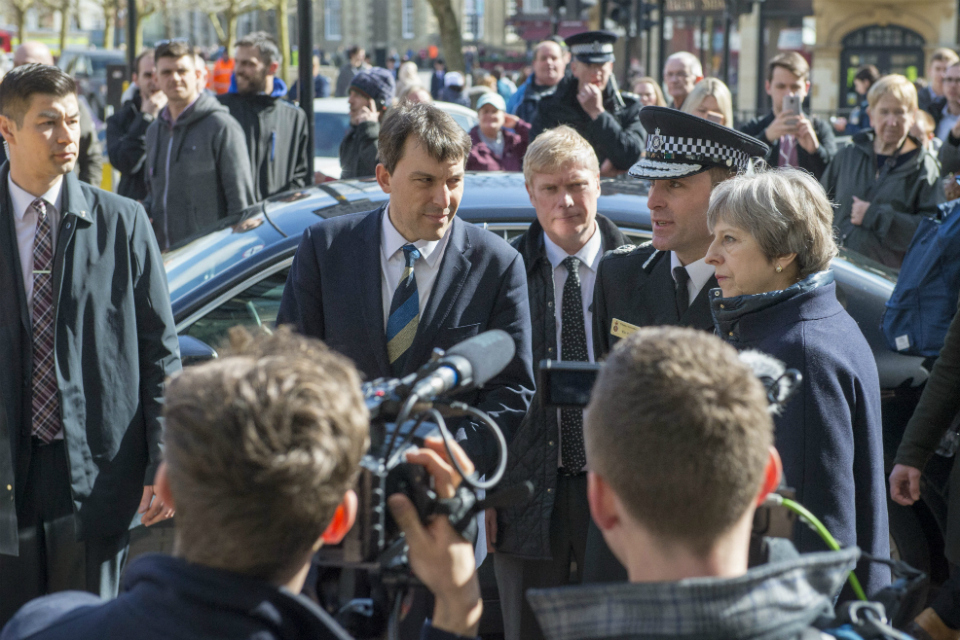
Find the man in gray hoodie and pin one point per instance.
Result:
(198, 168)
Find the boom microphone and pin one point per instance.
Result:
(467, 365)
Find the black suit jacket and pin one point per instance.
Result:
(816, 163)
(115, 346)
(634, 285)
(333, 293)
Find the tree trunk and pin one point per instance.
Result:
(232, 18)
(138, 43)
(283, 27)
(64, 27)
(450, 40)
(109, 22)
(21, 24)
(215, 21)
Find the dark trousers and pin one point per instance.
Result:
(601, 565)
(568, 541)
(51, 559)
(947, 603)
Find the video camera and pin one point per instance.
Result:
(404, 411)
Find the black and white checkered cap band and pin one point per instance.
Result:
(591, 47)
(693, 150)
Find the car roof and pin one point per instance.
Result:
(340, 105)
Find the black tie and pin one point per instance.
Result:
(681, 277)
(573, 346)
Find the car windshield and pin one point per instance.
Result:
(99, 64)
(329, 130)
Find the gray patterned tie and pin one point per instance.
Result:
(46, 401)
(573, 346)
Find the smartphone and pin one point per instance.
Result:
(791, 104)
(713, 116)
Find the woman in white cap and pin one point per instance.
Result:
(453, 84)
(495, 146)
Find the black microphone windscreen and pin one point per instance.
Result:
(488, 353)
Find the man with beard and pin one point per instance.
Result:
(276, 131)
(590, 102)
(127, 128)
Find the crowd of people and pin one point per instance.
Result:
(643, 502)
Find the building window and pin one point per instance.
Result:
(407, 20)
(535, 6)
(473, 19)
(332, 14)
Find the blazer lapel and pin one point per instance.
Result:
(367, 269)
(454, 268)
(655, 297)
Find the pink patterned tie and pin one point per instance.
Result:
(46, 402)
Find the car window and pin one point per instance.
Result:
(510, 230)
(329, 130)
(255, 307)
(99, 65)
(465, 121)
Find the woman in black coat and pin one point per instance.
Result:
(772, 248)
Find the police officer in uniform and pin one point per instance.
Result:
(589, 101)
(665, 281)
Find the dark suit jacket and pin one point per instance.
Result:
(115, 345)
(333, 293)
(634, 285)
(815, 163)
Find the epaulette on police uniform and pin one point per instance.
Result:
(625, 249)
(629, 97)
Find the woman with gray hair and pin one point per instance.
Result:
(772, 246)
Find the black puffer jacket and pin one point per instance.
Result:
(525, 531)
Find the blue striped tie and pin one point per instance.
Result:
(404, 313)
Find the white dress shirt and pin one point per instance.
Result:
(25, 222)
(392, 263)
(698, 271)
(589, 255)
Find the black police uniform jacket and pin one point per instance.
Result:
(616, 135)
(116, 344)
(525, 531)
(636, 287)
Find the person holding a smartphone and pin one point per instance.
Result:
(795, 140)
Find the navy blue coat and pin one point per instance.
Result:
(829, 435)
(116, 343)
(333, 293)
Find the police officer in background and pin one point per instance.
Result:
(590, 102)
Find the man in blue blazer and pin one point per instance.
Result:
(388, 286)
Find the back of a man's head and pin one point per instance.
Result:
(678, 427)
(261, 446)
(32, 52)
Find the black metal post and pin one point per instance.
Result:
(727, 26)
(646, 63)
(662, 44)
(131, 34)
(305, 59)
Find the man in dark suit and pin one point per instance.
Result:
(387, 286)
(86, 339)
(561, 250)
(665, 281)
(794, 139)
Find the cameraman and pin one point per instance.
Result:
(262, 452)
(679, 442)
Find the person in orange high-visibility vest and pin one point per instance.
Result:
(220, 78)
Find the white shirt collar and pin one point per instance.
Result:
(392, 241)
(22, 200)
(698, 271)
(589, 254)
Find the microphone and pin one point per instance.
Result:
(467, 365)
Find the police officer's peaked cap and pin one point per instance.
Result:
(592, 47)
(682, 144)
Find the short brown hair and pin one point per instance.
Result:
(261, 446)
(944, 54)
(554, 149)
(432, 127)
(785, 210)
(679, 405)
(175, 49)
(792, 62)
